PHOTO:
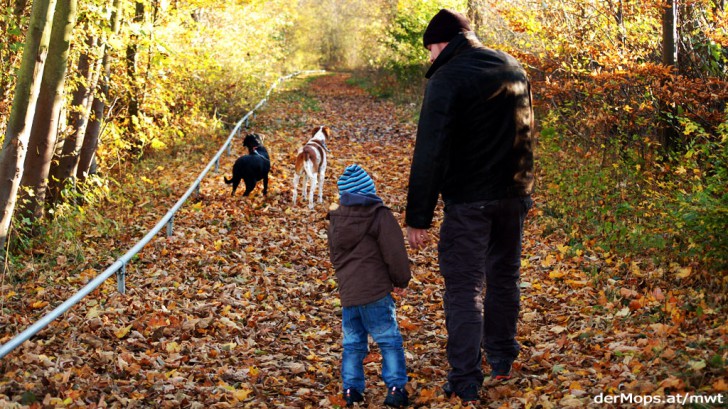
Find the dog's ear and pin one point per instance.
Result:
(326, 131)
(314, 131)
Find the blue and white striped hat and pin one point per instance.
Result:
(356, 180)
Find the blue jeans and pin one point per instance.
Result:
(379, 320)
(480, 252)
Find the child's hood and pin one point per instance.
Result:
(349, 224)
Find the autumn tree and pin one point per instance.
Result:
(135, 90)
(87, 151)
(78, 116)
(669, 58)
(12, 31)
(339, 31)
(47, 113)
(17, 134)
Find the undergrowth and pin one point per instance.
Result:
(97, 208)
(670, 209)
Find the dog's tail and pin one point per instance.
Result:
(227, 182)
(308, 163)
(304, 161)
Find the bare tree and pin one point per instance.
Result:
(17, 134)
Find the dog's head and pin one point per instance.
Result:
(252, 140)
(320, 134)
(323, 130)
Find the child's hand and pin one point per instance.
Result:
(400, 291)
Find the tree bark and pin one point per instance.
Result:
(131, 72)
(64, 167)
(669, 34)
(91, 141)
(47, 113)
(668, 136)
(17, 133)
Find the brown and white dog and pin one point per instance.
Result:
(311, 165)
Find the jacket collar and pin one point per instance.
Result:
(459, 43)
(358, 199)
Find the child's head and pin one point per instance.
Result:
(356, 180)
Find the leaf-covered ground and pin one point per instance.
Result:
(239, 307)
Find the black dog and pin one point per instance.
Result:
(251, 167)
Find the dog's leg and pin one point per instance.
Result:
(312, 191)
(265, 185)
(304, 189)
(235, 186)
(248, 188)
(321, 176)
(296, 178)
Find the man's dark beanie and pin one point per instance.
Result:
(445, 25)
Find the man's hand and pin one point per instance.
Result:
(401, 292)
(417, 238)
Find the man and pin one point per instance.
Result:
(475, 147)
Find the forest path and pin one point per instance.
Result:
(239, 307)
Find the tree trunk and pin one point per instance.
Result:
(668, 136)
(619, 17)
(64, 167)
(91, 141)
(669, 34)
(47, 113)
(131, 72)
(475, 15)
(17, 133)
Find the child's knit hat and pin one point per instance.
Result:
(356, 180)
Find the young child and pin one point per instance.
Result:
(368, 253)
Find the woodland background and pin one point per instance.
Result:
(630, 99)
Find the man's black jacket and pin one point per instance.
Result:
(474, 137)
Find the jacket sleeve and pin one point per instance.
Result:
(391, 245)
(431, 155)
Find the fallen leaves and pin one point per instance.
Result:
(238, 308)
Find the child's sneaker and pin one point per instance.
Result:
(396, 397)
(352, 396)
(500, 370)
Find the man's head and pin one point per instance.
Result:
(445, 25)
(356, 180)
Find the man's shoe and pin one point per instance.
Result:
(500, 370)
(352, 396)
(447, 389)
(469, 394)
(396, 397)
